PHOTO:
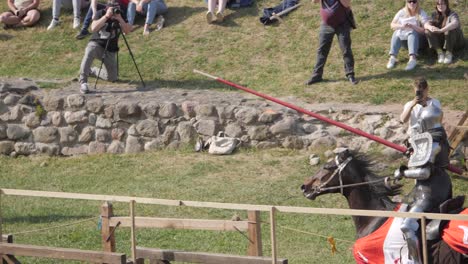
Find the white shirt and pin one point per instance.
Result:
(416, 111)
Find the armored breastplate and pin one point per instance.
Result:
(430, 118)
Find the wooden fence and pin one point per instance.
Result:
(132, 221)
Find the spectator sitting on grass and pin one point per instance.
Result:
(210, 15)
(90, 15)
(23, 13)
(77, 5)
(444, 32)
(152, 8)
(408, 25)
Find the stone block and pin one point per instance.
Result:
(151, 109)
(103, 122)
(31, 120)
(25, 148)
(286, 126)
(133, 145)
(188, 108)
(187, 133)
(76, 150)
(168, 110)
(234, 130)
(247, 115)
(207, 127)
(11, 99)
(103, 135)
(75, 101)
(6, 147)
(76, 117)
(86, 135)
(45, 134)
(95, 105)
(53, 103)
(68, 135)
(259, 133)
(148, 128)
(17, 132)
(116, 147)
(269, 116)
(97, 148)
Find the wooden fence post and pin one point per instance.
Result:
(133, 240)
(255, 234)
(1, 223)
(107, 231)
(273, 235)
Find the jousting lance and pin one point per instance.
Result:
(320, 117)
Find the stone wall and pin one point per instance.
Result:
(33, 121)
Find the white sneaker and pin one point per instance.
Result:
(53, 23)
(391, 62)
(76, 22)
(411, 64)
(210, 18)
(441, 57)
(159, 22)
(219, 16)
(448, 58)
(84, 88)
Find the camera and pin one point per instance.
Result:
(419, 93)
(116, 10)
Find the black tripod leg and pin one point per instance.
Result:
(133, 58)
(102, 63)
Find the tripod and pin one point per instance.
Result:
(115, 25)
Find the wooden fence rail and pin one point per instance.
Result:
(109, 222)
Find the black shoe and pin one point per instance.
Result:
(314, 79)
(83, 33)
(353, 80)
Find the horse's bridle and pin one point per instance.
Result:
(339, 169)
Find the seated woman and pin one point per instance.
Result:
(77, 5)
(408, 25)
(444, 32)
(210, 17)
(152, 8)
(23, 13)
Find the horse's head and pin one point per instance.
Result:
(330, 177)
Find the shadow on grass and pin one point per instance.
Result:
(455, 73)
(176, 15)
(36, 219)
(236, 13)
(191, 84)
(5, 37)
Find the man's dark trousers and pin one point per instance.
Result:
(326, 35)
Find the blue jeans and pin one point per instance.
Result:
(152, 8)
(412, 44)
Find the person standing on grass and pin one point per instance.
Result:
(444, 32)
(210, 15)
(335, 21)
(23, 13)
(408, 25)
(152, 8)
(103, 45)
(77, 6)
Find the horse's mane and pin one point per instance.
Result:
(367, 168)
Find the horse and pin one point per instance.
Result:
(352, 175)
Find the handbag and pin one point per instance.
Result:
(222, 145)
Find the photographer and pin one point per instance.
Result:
(103, 45)
(412, 109)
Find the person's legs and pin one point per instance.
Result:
(9, 19)
(435, 41)
(453, 39)
(395, 44)
(131, 13)
(92, 51)
(413, 44)
(326, 34)
(76, 13)
(56, 6)
(31, 18)
(344, 39)
(87, 21)
(221, 8)
(109, 69)
(210, 18)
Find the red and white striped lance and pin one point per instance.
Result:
(320, 117)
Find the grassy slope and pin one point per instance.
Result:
(274, 59)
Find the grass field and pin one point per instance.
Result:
(273, 59)
(254, 177)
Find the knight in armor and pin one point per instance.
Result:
(429, 156)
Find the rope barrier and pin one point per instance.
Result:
(53, 227)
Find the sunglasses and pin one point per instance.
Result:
(412, 2)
